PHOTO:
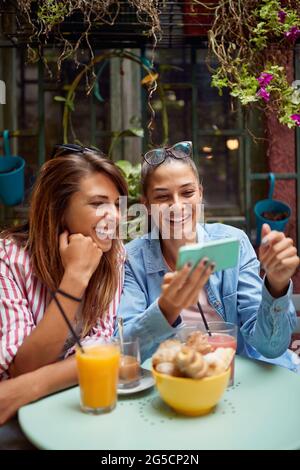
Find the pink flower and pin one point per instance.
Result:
(281, 16)
(296, 118)
(264, 94)
(264, 79)
(293, 34)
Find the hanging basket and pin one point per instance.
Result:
(272, 212)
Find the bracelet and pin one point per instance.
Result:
(69, 296)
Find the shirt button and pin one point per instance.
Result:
(277, 309)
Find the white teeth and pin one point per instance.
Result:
(179, 220)
(104, 229)
(104, 233)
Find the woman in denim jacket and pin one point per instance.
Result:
(157, 299)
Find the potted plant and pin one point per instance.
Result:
(270, 211)
(135, 223)
(253, 42)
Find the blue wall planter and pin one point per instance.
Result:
(11, 175)
(270, 205)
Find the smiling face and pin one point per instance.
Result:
(94, 210)
(174, 196)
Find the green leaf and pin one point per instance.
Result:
(59, 98)
(133, 132)
(125, 166)
(70, 105)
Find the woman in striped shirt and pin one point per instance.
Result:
(69, 244)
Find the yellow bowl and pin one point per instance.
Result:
(192, 397)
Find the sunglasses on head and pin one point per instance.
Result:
(179, 151)
(63, 149)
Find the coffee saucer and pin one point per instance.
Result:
(146, 381)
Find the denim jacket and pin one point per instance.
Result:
(238, 295)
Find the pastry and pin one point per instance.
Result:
(198, 341)
(219, 360)
(166, 351)
(191, 363)
(167, 368)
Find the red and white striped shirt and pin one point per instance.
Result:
(24, 299)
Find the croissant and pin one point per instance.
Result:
(166, 351)
(219, 360)
(191, 363)
(167, 368)
(199, 342)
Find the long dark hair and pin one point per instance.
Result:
(57, 181)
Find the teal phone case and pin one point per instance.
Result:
(224, 253)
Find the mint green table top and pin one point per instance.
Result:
(261, 411)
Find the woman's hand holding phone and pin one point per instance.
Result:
(181, 289)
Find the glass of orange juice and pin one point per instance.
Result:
(98, 370)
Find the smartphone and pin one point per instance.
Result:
(224, 253)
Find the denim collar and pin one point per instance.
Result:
(153, 258)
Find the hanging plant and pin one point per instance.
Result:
(69, 99)
(253, 41)
(47, 17)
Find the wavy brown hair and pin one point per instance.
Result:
(57, 181)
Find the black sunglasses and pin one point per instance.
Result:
(62, 149)
(178, 151)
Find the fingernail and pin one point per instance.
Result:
(264, 241)
(205, 261)
(212, 265)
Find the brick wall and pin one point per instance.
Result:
(282, 159)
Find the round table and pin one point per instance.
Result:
(261, 411)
